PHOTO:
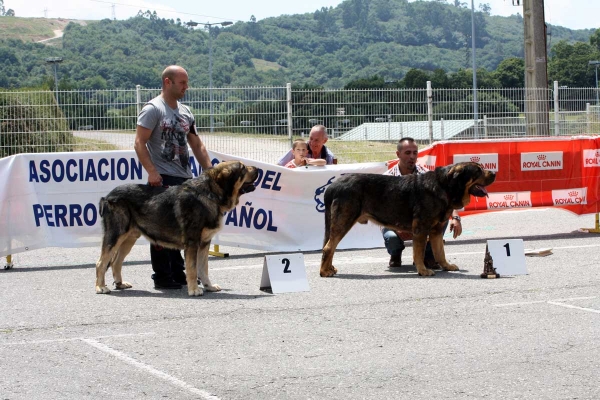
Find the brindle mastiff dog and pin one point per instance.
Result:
(416, 203)
(178, 217)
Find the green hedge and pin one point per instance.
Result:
(32, 122)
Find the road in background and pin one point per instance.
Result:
(370, 332)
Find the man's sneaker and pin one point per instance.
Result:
(166, 284)
(395, 261)
(181, 279)
(431, 263)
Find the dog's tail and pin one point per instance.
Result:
(102, 206)
(328, 199)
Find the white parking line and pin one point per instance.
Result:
(171, 379)
(557, 302)
(575, 298)
(522, 303)
(45, 341)
(123, 357)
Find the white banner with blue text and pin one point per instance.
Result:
(51, 200)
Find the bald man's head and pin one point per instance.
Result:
(174, 83)
(171, 72)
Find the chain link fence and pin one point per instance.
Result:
(261, 122)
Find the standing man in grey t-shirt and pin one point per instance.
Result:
(165, 127)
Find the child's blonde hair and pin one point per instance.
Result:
(297, 142)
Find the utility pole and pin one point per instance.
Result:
(475, 105)
(55, 61)
(208, 26)
(536, 75)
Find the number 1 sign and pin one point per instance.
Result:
(284, 273)
(508, 256)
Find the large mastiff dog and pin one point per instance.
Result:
(417, 203)
(179, 217)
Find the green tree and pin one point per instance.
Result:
(485, 8)
(416, 79)
(254, 29)
(569, 64)
(511, 73)
(383, 10)
(595, 39)
(439, 79)
(373, 82)
(325, 20)
(461, 79)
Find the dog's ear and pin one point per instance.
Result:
(468, 170)
(456, 171)
(230, 175)
(458, 177)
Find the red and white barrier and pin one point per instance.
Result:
(545, 172)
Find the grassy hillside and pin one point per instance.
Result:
(329, 48)
(31, 29)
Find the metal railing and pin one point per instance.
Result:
(260, 122)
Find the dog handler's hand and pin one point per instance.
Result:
(155, 179)
(456, 228)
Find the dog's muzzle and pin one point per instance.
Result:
(478, 191)
(247, 187)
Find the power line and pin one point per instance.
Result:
(169, 11)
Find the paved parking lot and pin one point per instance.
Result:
(368, 333)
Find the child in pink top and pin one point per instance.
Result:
(300, 150)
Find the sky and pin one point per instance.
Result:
(574, 14)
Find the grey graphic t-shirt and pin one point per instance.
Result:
(168, 142)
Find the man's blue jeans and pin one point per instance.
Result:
(394, 244)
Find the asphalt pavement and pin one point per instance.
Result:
(368, 333)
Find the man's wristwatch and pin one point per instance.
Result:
(456, 217)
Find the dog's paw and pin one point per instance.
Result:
(450, 267)
(328, 272)
(102, 290)
(197, 291)
(426, 272)
(212, 288)
(123, 285)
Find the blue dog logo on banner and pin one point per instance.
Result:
(319, 193)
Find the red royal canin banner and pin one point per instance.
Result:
(545, 172)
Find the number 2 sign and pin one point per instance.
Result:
(508, 256)
(284, 273)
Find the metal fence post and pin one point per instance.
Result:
(556, 110)
(289, 111)
(485, 126)
(430, 110)
(138, 98)
(442, 128)
(588, 117)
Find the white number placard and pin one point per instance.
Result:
(284, 273)
(508, 256)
